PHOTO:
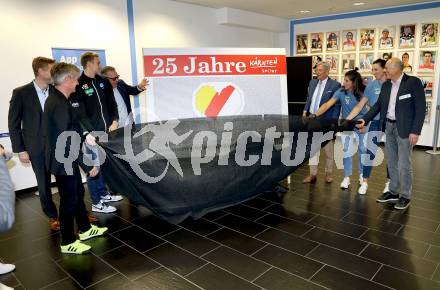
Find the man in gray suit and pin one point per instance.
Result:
(320, 91)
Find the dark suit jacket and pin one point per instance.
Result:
(126, 91)
(60, 116)
(330, 88)
(410, 106)
(25, 120)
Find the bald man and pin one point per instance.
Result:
(401, 105)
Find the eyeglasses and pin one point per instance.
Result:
(115, 78)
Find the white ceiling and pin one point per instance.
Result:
(290, 9)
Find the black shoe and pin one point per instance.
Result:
(387, 197)
(403, 203)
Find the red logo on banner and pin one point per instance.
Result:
(214, 99)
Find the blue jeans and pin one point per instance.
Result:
(95, 184)
(348, 143)
(371, 150)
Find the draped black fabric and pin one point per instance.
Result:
(157, 164)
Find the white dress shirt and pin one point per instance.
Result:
(122, 109)
(42, 94)
(391, 113)
(317, 98)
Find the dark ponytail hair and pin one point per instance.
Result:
(358, 86)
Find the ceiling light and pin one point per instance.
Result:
(304, 11)
(358, 3)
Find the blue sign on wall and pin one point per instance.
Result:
(73, 56)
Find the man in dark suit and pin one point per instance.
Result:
(25, 129)
(122, 93)
(401, 105)
(320, 91)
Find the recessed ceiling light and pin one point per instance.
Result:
(304, 11)
(358, 3)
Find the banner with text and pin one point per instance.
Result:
(210, 82)
(73, 55)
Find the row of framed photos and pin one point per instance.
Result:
(341, 63)
(390, 37)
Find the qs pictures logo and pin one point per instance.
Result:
(218, 99)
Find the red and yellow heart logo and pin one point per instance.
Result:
(218, 99)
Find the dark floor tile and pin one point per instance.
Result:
(433, 254)
(9, 279)
(18, 248)
(288, 261)
(291, 212)
(403, 281)
(175, 259)
(420, 235)
(237, 241)
(37, 272)
(155, 225)
(103, 244)
(436, 276)
(240, 224)
(129, 262)
(338, 226)
(112, 222)
(287, 241)
(131, 212)
(284, 224)
(201, 226)
(258, 203)
(335, 240)
(245, 211)
(138, 238)
(333, 278)
(214, 215)
(65, 284)
(163, 279)
(211, 277)
(409, 220)
(395, 242)
(115, 282)
(194, 243)
(86, 269)
(399, 260)
(433, 215)
(345, 261)
(34, 229)
(275, 279)
(373, 223)
(237, 263)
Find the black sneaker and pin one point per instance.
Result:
(403, 203)
(387, 197)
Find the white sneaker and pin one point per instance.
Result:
(387, 187)
(345, 183)
(363, 189)
(6, 268)
(361, 179)
(4, 287)
(111, 198)
(103, 207)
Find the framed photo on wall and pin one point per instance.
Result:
(349, 40)
(428, 112)
(333, 61)
(427, 82)
(427, 61)
(386, 55)
(316, 40)
(407, 36)
(302, 42)
(386, 37)
(407, 57)
(315, 60)
(348, 62)
(367, 39)
(429, 34)
(366, 62)
(332, 41)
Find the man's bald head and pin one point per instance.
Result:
(394, 61)
(394, 68)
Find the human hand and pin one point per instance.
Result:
(24, 157)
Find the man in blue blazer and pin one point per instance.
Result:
(320, 91)
(122, 93)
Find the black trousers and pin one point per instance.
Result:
(72, 206)
(43, 183)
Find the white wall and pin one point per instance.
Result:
(410, 17)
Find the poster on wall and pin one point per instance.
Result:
(429, 34)
(316, 42)
(302, 43)
(73, 55)
(348, 62)
(427, 61)
(386, 55)
(386, 40)
(428, 112)
(427, 82)
(407, 58)
(333, 61)
(332, 41)
(211, 82)
(407, 36)
(367, 39)
(349, 40)
(315, 60)
(366, 62)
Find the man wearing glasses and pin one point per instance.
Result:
(122, 93)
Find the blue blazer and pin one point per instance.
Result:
(330, 88)
(125, 91)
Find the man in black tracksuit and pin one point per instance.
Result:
(96, 94)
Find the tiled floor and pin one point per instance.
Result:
(313, 237)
